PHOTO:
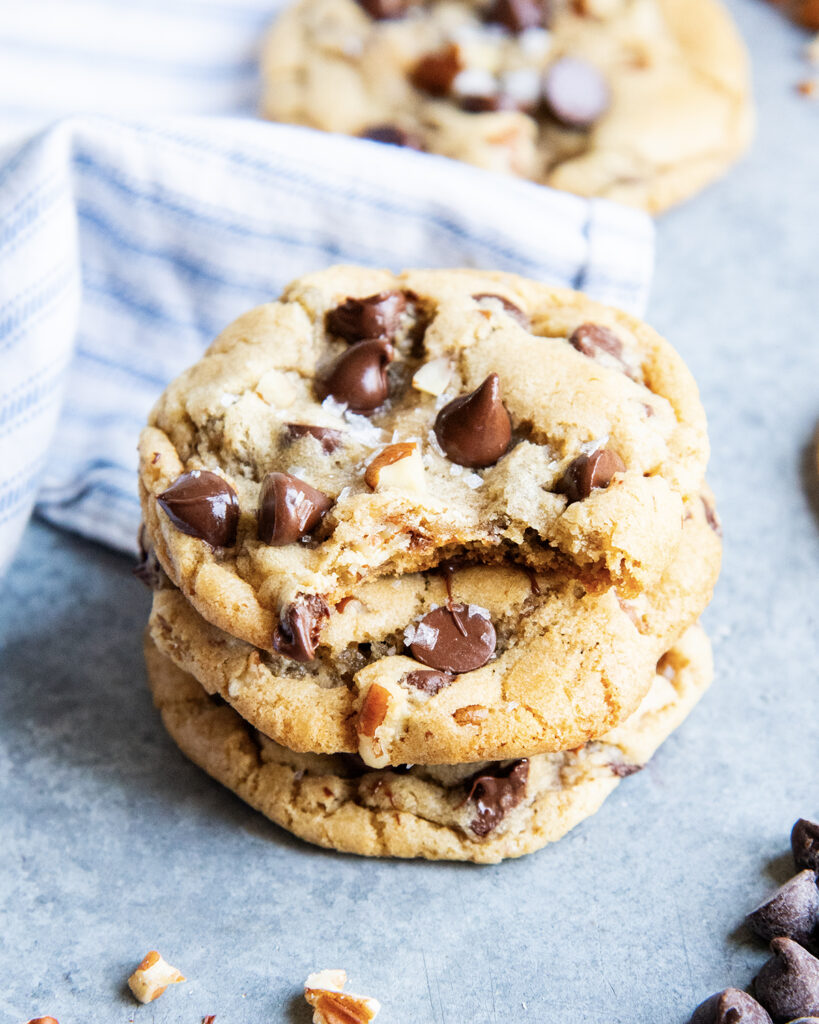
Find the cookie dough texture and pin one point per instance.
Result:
(570, 664)
(676, 70)
(426, 811)
(229, 414)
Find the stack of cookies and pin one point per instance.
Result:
(428, 553)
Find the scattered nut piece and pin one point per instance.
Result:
(399, 466)
(373, 710)
(381, 713)
(472, 714)
(433, 377)
(152, 977)
(323, 991)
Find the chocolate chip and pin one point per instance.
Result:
(593, 338)
(297, 634)
(793, 910)
(805, 844)
(359, 376)
(204, 505)
(508, 307)
(456, 639)
(788, 984)
(711, 517)
(622, 771)
(376, 317)
(385, 10)
(392, 135)
(496, 793)
(427, 680)
(575, 92)
(518, 15)
(730, 1007)
(487, 104)
(289, 509)
(330, 439)
(590, 472)
(475, 430)
(436, 72)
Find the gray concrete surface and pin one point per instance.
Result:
(112, 844)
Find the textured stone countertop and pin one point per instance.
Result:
(112, 844)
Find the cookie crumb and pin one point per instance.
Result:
(323, 991)
(152, 977)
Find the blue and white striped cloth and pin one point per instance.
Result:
(125, 246)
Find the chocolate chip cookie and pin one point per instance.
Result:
(642, 101)
(465, 663)
(475, 812)
(371, 424)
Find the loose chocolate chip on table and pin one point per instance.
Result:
(793, 910)
(475, 430)
(517, 15)
(297, 634)
(575, 92)
(289, 509)
(496, 793)
(384, 10)
(392, 135)
(590, 472)
(593, 338)
(456, 639)
(788, 984)
(730, 1007)
(436, 72)
(329, 438)
(805, 844)
(204, 505)
(428, 680)
(376, 317)
(359, 376)
(509, 307)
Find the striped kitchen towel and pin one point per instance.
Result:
(125, 248)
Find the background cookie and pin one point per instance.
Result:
(515, 421)
(479, 813)
(642, 101)
(569, 664)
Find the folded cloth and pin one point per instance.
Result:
(125, 248)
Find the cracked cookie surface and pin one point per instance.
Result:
(568, 664)
(372, 424)
(477, 812)
(641, 101)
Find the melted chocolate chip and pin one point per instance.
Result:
(457, 639)
(805, 844)
(392, 135)
(359, 376)
(575, 92)
(297, 634)
(593, 338)
(436, 72)
(518, 15)
(590, 472)
(289, 509)
(730, 1007)
(509, 307)
(793, 910)
(474, 430)
(788, 984)
(376, 317)
(622, 771)
(496, 793)
(427, 680)
(385, 10)
(204, 505)
(711, 517)
(330, 439)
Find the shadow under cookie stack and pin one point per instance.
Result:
(428, 553)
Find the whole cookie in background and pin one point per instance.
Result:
(478, 812)
(642, 101)
(372, 424)
(549, 667)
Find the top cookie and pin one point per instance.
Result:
(371, 424)
(642, 101)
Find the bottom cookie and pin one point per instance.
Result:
(481, 812)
